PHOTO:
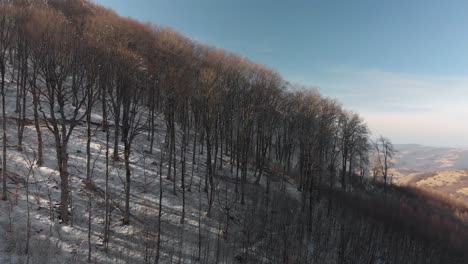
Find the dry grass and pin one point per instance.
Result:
(463, 191)
(413, 178)
(443, 178)
(452, 184)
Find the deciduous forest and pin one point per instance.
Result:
(125, 142)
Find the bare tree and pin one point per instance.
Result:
(6, 38)
(385, 152)
(132, 125)
(53, 52)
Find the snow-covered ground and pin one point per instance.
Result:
(52, 242)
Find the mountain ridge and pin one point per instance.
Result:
(412, 158)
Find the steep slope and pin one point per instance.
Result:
(127, 242)
(453, 183)
(261, 187)
(271, 227)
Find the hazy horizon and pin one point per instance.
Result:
(401, 65)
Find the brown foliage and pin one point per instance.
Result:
(425, 213)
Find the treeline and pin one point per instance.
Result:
(76, 59)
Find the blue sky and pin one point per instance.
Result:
(402, 64)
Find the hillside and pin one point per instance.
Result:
(433, 168)
(453, 183)
(125, 142)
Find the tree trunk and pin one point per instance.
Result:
(173, 146)
(62, 158)
(194, 150)
(89, 227)
(182, 162)
(4, 139)
(88, 141)
(152, 127)
(126, 219)
(40, 144)
(104, 108)
(158, 241)
(22, 100)
(209, 171)
(169, 133)
(116, 133)
(343, 172)
(106, 198)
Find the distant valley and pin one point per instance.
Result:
(412, 158)
(441, 169)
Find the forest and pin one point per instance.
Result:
(125, 142)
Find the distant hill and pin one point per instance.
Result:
(436, 168)
(453, 183)
(413, 158)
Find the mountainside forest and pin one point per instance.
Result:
(125, 142)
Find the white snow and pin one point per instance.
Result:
(68, 244)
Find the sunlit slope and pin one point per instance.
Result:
(451, 182)
(441, 169)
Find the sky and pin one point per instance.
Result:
(403, 65)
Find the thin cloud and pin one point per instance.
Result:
(387, 91)
(408, 108)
